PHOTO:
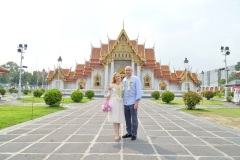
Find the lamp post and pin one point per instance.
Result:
(21, 49)
(43, 72)
(186, 66)
(226, 53)
(202, 85)
(59, 61)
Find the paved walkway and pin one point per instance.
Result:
(82, 132)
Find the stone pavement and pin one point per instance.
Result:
(82, 132)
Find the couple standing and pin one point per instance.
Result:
(124, 97)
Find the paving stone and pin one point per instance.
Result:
(226, 134)
(65, 157)
(156, 133)
(81, 138)
(163, 140)
(179, 133)
(139, 157)
(5, 138)
(29, 157)
(42, 131)
(190, 140)
(138, 149)
(202, 134)
(234, 140)
(73, 148)
(20, 131)
(214, 158)
(216, 141)
(203, 151)
(103, 157)
(55, 138)
(13, 147)
(106, 148)
(92, 131)
(28, 138)
(231, 150)
(176, 158)
(4, 156)
(42, 148)
(163, 149)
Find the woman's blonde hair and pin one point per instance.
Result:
(113, 77)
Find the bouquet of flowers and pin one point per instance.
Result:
(106, 107)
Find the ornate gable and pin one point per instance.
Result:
(122, 49)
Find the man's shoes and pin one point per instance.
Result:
(127, 136)
(133, 138)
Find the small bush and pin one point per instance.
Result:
(191, 99)
(229, 98)
(43, 90)
(38, 93)
(13, 90)
(89, 94)
(77, 96)
(167, 96)
(2, 91)
(25, 91)
(53, 97)
(155, 94)
(208, 95)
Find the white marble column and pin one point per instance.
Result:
(152, 78)
(106, 77)
(138, 72)
(112, 68)
(133, 68)
(92, 80)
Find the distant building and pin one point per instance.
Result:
(210, 79)
(114, 56)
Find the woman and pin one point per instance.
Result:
(114, 96)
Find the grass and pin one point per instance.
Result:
(11, 115)
(229, 112)
(179, 101)
(41, 100)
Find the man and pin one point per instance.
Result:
(131, 96)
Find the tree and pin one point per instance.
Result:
(237, 67)
(222, 81)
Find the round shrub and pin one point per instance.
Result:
(89, 94)
(155, 94)
(209, 94)
(2, 91)
(77, 96)
(43, 90)
(53, 97)
(37, 93)
(167, 96)
(191, 99)
(13, 90)
(25, 91)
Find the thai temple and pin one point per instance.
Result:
(95, 74)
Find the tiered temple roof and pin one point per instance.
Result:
(146, 55)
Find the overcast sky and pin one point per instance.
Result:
(195, 29)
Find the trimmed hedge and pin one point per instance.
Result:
(53, 97)
(77, 96)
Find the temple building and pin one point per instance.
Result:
(95, 74)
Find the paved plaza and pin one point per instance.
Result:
(81, 132)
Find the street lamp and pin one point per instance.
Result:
(59, 61)
(202, 85)
(186, 66)
(226, 53)
(43, 72)
(21, 49)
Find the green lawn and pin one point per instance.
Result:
(179, 101)
(11, 115)
(41, 100)
(230, 112)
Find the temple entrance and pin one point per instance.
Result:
(122, 72)
(81, 84)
